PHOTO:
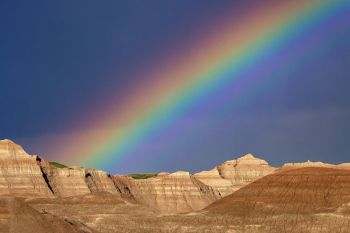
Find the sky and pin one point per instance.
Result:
(65, 64)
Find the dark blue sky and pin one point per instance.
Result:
(57, 59)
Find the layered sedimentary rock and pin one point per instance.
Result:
(10, 150)
(66, 182)
(212, 178)
(315, 164)
(124, 184)
(234, 174)
(25, 175)
(100, 181)
(18, 217)
(173, 193)
(308, 199)
(20, 174)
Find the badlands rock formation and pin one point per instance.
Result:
(234, 174)
(18, 217)
(170, 193)
(100, 181)
(183, 192)
(308, 199)
(19, 173)
(315, 164)
(67, 182)
(23, 175)
(64, 182)
(300, 197)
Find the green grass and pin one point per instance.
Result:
(58, 165)
(143, 176)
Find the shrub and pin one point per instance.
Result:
(143, 176)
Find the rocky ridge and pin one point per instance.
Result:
(20, 174)
(307, 199)
(23, 175)
(173, 193)
(314, 164)
(298, 197)
(234, 174)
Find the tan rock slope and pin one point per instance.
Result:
(234, 174)
(36, 196)
(183, 192)
(315, 164)
(66, 182)
(18, 217)
(303, 200)
(173, 193)
(309, 199)
(20, 174)
(105, 212)
(23, 175)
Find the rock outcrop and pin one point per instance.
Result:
(16, 216)
(20, 174)
(23, 175)
(308, 199)
(173, 193)
(212, 178)
(67, 182)
(314, 164)
(10, 150)
(234, 174)
(100, 181)
(312, 200)
(298, 197)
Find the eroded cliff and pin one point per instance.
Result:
(173, 193)
(234, 174)
(20, 174)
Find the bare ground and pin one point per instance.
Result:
(300, 201)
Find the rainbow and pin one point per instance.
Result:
(180, 80)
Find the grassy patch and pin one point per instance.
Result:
(143, 176)
(58, 165)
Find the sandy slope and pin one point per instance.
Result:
(18, 217)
